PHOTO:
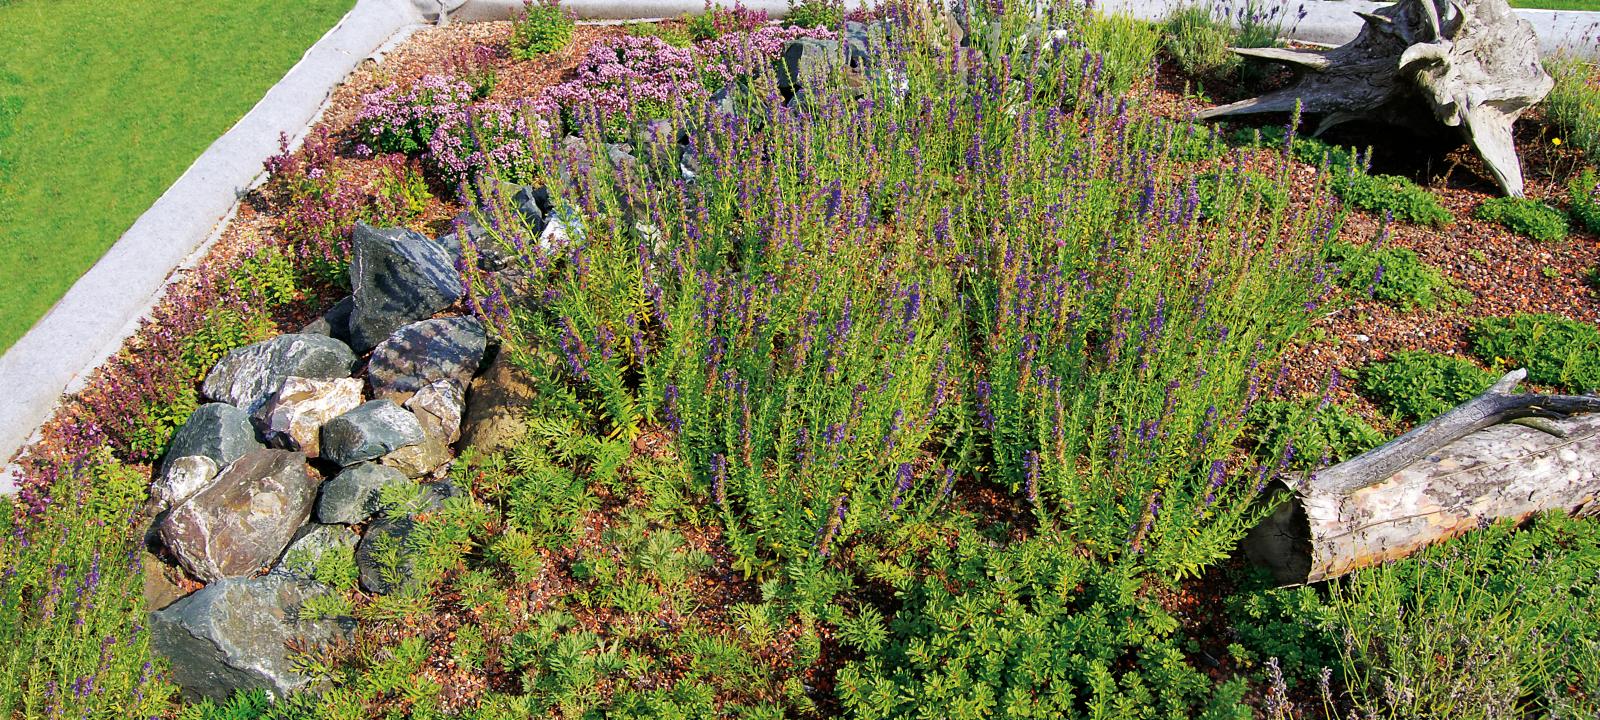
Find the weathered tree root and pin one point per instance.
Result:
(1499, 455)
(1473, 63)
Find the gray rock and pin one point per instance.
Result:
(497, 407)
(232, 635)
(352, 496)
(311, 542)
(334, 323)
(421, 459)
(294, 417)
(251, 374)
(218, 431)
(805, 59)
(184, 477)
(244, 518)
(438, 407)
(421, 353)
(379, 572)
(398, 276)
(370, 431)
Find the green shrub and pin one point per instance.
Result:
(542, 28)
(1290, 624)
(813, 14)
(1556, 351)
(1419, 385)
(1127, 48)
(1528, 217)
(1392, 194)
(73, 641)
(1315, 430)
(679, 36)
(1574, 104)
(1310, 151)
(1231, 192)
(1583, 197)
(1392, 275)
(1199, 42)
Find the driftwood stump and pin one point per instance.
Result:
(1500, 455)
(1472, 65)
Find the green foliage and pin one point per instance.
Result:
(1290, 624)
(814, 13)
(1583, 200)
(1196, 143)
(1528, 217)
(1556, 351)
(1311, 151)
(1418, 385)
(1393, 275)
(679, 36)
(1126, 48)
(1319, 432)
(1031, 631)
(1573, 105)
(541, 29)
(1235, 191)
(1199, 42)
(1500, 623)
(1392, 194)
(73, 641)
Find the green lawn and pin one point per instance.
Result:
(104, 103)
(1593, 5)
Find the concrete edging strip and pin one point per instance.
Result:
(105, 306)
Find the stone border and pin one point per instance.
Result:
(104, 307)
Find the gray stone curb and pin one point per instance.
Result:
(104, 307)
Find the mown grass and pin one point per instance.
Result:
(1586, 5)
(107, 103)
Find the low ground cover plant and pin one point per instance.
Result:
(1310, 432)
(1395, 196)
(1532, 218)
(1556, 351)
(542, 28)
(1392, 275)
(1418, 385)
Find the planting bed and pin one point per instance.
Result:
(777, 372)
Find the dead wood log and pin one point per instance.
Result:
(1499, 455)
(1430, 65)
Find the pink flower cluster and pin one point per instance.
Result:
(737, 55)
(437, 119)
(620, 75)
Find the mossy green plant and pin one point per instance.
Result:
(1556, 351)
(1526, 217)
(1418, 385)
(1391, 194)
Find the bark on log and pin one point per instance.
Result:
(1471, 466)
(1431, 65)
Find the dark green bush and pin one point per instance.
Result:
(1419, 385)
(814, 13)
(1556, 351)
(1583, 197)
(1315, 431)
(542, 28)
(1393, 275)
(1392, 194)
(1290, 624)
(1199, 42)
(1528, 217)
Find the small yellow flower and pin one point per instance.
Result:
(1555, 141)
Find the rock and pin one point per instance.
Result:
(352, 496)
(244, 518)
(497, 407)
(294, 417)
(438, 408)
(434, 494)
(806, 58)
(383, 537)
(334, 323)
(398, 276)
(370, 431)
(251, 374)
(311, 542)
(420, 459)
(161, 582)
(232, 635)
(423, 352)
(218, 431)
(184, 477)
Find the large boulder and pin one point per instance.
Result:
(398, 276)
(218, 431)
(244, 518)
(251, 374)
(184, 477)
(498, 406)
(370, 431)
(352, 496)
(438, 407)
(294, 417)
(334, 323)
(233, 635)
(423, 352)
(807, 60)
(382, 557)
